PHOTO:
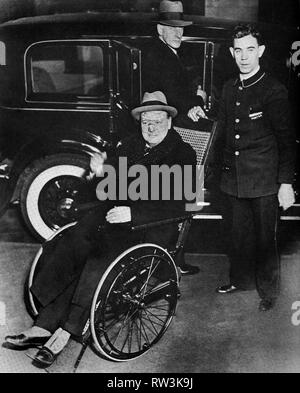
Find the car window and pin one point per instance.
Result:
(66, 72)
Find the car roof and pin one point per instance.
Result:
(131, 22)
(90, 16)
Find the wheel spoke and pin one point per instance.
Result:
(145, 335)
(130, 328)
(154, 316)
(150, 274)
(161, 308)
(147, 318)
(127, 320)
(148, 277)
(139, 334)
(119, 332)
(112, 324)
(160, 292)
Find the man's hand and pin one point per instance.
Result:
(96, 163)
(196, 112)
(286, 196)
(118, 215)
(201, 93)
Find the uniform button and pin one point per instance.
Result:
(237, 136)
(237, 120)
(237, 153)
(238, 103)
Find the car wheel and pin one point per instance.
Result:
(50, 189)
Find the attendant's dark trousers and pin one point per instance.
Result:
(254, 258)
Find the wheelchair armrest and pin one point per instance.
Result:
(87, 206)
(173, 220)
(166, 221)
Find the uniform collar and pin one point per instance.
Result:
(251, 81)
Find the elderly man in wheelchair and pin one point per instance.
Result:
(133, 292)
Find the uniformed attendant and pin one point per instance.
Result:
(259, 148)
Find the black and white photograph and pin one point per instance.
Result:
(149, 189)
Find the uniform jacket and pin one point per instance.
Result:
(257, 137)
(164, 71)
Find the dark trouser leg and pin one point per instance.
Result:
(60, 267)
(53, 316)
(70, 309)
(265, 211)
(118, 239)
(64, 258)
(242, 252)
(78, 312)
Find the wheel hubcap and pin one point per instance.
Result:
(64, 207)
(57, 200)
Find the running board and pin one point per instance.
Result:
(219, 217)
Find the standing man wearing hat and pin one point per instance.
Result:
(163, 69)
(65, 283)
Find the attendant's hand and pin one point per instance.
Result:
(196, 112)
(119, 215)
(96, 163)
(286, 196)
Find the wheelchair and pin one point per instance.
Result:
(136, 297)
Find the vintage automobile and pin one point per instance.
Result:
(67, 84)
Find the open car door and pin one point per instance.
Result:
(6, 189)
(126, 85)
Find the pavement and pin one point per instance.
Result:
(210, 332)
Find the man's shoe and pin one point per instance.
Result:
(266, 304)
(227, 289)
(188, 270)
(22, 341)
(44, 357)
(53, 347)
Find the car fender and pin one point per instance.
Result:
(87, 145)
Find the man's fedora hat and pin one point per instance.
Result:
(155, 101)
(171, 14)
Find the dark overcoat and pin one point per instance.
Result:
(164, 71)
(65, 260)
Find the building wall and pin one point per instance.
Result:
(277, 11)
(239, 10)
(15, 9)
(231, 9)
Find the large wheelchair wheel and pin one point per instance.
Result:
(134, 302)
(29, 300)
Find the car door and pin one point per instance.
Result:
(197, 57)
(126, 71)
